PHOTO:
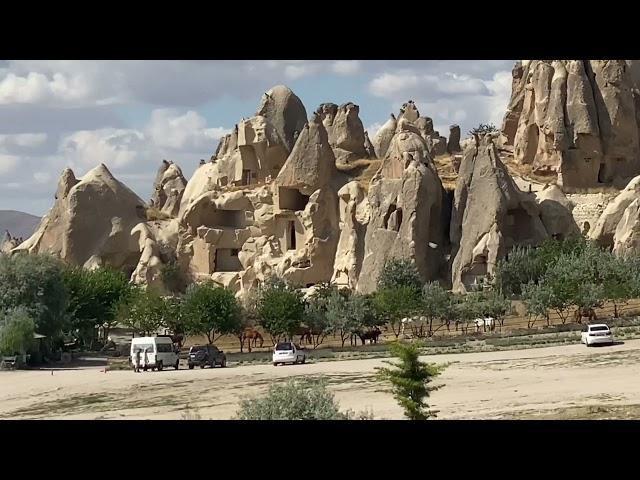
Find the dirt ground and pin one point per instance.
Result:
(555, 382)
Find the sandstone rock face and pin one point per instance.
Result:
(453, 145)
(409, 111)
(368, 146)
(311, 163)
(285, 111)
(555, 212)
(383, 137)
(604, 230)
(576, 118)
(626, 239)
(405, 213)
(490, 215)
(91, 221)
(346, 134)
(354, 217)
(168, 188)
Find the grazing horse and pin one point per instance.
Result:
(306, 334)
(250, 335)
(585, 312)
(371, 335)
(484, 323)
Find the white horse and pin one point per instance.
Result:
(485, 323)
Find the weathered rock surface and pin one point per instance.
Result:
(383, 137)
(490, 215)
(576, 118)
(405, 205)
(346, 134)
(168, 188)
(626, 240)
(453, 145)
(605, 228)
(555, 212)
(285, 111)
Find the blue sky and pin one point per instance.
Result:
(132, 114)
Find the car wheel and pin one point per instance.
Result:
(177, 365)
(160, 366)
(304, 359)
(144, 369)
(224, 363)
(202, 366)
(275, 364)
(190, 367)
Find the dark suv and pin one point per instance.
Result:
(204, 355)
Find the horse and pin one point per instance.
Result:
(486, 322)
(371, 335)
(306, 334)
(251, 335)
(585, 312)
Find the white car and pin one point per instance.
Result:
(288, 352)
(160, 352)
(597, 333)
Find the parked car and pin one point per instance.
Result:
(203, 355)
(161, 352)
(597, 333)
(288, 352)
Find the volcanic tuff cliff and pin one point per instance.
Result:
(314, 200)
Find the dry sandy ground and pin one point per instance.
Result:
(556, 382)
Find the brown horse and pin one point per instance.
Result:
(306, 335)
(585, 312)
(371, 335)
(250, 335)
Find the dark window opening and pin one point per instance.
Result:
(246, 177)
(226, 261)
(601, 176)
(234, 252)
(292, 235)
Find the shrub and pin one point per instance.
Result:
(16, 332)
(296, 399)
(210, 310)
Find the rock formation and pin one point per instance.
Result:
(383, 137)
(453, 145)
(605, 229)
(576, 118)
(168, 188)
(490, 215)
(555, 212)
(346, 134)
(626, 239)
(9, 242)
(282, 109)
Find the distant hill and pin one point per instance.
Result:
(19, 224)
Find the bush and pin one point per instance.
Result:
(483, 129)
(399, 273)
(35, 283)
(16, 332)
(297, 399)
(174, 280)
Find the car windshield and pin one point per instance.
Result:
(200, 348)
(599, 329)
(165, 347)
(284, 346)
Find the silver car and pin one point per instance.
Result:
(288, 352)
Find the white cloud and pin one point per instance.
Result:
(113, 147)
(170, 130)
(346, 67)
(7, 163)
(390, 85)
(25, 140)
(42, 177)
(36, 87)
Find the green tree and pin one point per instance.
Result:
(347, 314)
(496, 306)
(468, 308)
(16, 331)
(280, 309)
(435, 302)
(296, 399)
(35, 282)
(144, 311)
(315, 318)
(483, 129)
(538, 299)
(399, 273)
(93, 299)
(395, 303)
(410, 380)
(210, 310)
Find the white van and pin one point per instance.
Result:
(160, 352)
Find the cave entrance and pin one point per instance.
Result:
(292, 199)
(227, 260)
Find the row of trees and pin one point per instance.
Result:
(565, 276)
